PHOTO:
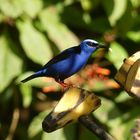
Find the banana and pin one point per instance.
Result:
(74, 103)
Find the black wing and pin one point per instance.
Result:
(63, 55)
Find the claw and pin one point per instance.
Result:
(64, 85)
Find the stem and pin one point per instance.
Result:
(15, 118)
(94, 128)
(13, 125)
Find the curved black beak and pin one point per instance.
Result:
(105, 46)
(102, 45)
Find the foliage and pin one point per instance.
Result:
(33, 31)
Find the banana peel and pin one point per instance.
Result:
(74, 103)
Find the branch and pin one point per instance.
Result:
(94, 128)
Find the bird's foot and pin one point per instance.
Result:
(65, 86)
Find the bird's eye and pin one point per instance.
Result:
(92, 44)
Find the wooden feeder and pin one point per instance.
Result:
(129, 75)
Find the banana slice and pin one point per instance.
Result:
(129, 75)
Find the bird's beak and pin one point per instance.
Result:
(105, 47)
(102, 46)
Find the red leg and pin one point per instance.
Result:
(64, 85)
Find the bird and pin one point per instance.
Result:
(68, 62)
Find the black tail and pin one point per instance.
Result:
(35, 75)
(29, 78)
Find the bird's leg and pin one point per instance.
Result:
(64, 85)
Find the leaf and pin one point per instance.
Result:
(123, 96)
(70, 131)
(88, 5)
(130, 121)
(122, 27)
(56, 30)
(15, 8)
(1, 17)
(117, 55)
(77, 17)
(36, 125)
(103, 110)
(114, 125)
(99, 24)
(68, 2)
(32, 7)
(110, 115)
(134, 36)
(135, 3)
(35, 129)
(56, 135)
(87, 135)
(34, 42)
(115, 9)
(10, 63)
(12, 8)
(26, 94)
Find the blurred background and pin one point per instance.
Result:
(33, 31)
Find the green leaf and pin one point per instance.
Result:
(35, 129)
(87, 135)
(70, 131)
(134, 36)
(110, 115)
(15, 8)
(32, 7)
(87, 5)
(1, 17)
(114, 124)
(115, 9)
(129, 121)
(103, 110)
(135, 3)
(122, 27)
(77, 17)
(10, 62)
(97, 26)
(56, 30)
(34, 42)
(123, 96)
(56, 135)
(26, 94)
(12, 8)
(68, 2)
(117, 55)
(36, 125)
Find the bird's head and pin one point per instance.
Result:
(90, 45)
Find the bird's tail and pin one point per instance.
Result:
(35, 75)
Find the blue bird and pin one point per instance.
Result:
(68, 62)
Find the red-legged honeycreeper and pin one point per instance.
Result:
(68, 62)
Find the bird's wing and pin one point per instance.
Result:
(63, 55)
